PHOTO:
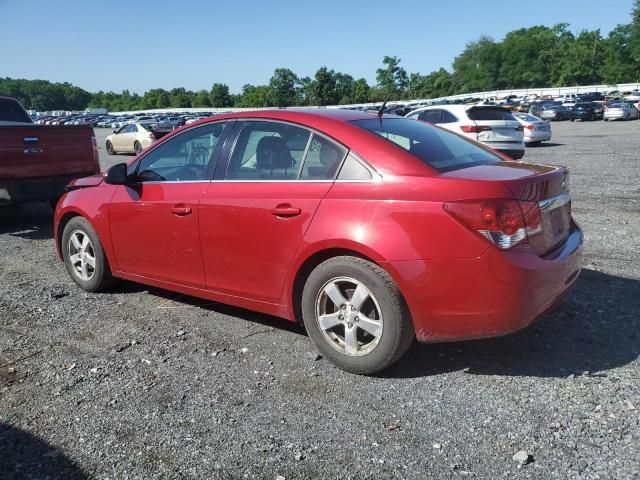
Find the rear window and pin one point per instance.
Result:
(438, 148)
(11, 111)
(527, 118)
(489, 113)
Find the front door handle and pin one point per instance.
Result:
(181, 210)
(285, 210)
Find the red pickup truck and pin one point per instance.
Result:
(37, 161)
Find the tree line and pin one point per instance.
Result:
(537, 57)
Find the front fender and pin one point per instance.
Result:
(93, 205)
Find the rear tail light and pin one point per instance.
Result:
(96, 154)
(530, 127)
(475, 128)
(503, 222)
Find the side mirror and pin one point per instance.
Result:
(117, 175)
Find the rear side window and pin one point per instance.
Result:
(322, 160)
(268, 151)
(431, 116)
(448, 117)
(353, 169)
(436, 147)
(11, 111)
(489, 113)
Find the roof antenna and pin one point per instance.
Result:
(381, 109)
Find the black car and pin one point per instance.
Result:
(591, 97)
(585, 111)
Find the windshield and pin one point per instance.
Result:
(436, 147)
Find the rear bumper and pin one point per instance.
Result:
(516, 154)
(537, 136)
(37, 189)
(493, 295)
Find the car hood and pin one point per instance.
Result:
(85, 182)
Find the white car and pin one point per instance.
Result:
(493, 126)
(633, 97)
(130, 138)
(536, 130)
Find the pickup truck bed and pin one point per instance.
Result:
(37, 161)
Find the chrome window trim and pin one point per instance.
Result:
(552, 203)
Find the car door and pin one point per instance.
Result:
(119, 140)
(154, 219)
(255, 213)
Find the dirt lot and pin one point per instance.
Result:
(139, 383)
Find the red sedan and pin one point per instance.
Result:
(371, 230)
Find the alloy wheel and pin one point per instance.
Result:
(82, 256)
(349, 316)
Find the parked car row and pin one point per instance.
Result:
(112, 121)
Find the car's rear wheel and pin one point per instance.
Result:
(84, 257)
(355, 314)
(137, 148)
(110, 149)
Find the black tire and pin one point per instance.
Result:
(397, 333)
(137, 148)
(101, 277)
(110, 149)
(533, 144)
(571, 119)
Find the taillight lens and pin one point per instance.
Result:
(530, 127)
(504, 222)
(96, 154)
(475, 128)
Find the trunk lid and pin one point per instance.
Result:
(31, 151)
(501, 125)
(548, 186)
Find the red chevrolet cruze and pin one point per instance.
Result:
(371, 230)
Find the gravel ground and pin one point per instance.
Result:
(142, 383)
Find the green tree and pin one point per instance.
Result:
(360, 91)
(219, 96)
(282, 88)
(477, 68)
(392, 78)
(323, 87)
(253, 96)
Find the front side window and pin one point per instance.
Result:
(182, 158)
(436, 147)
(268, 151)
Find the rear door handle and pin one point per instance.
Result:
(181, 210)
(285, 211)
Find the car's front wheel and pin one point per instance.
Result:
(110, 149)
(355, 314)
(137, 148)
(84, 257)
